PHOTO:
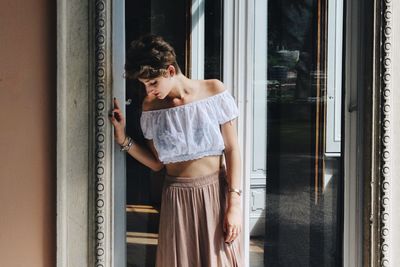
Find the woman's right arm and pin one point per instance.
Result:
(146, 157)
(141, 154)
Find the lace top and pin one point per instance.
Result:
(189, 131)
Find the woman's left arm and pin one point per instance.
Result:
(233, 216)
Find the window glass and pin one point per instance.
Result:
(296, 181)
(173, 21)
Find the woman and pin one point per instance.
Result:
(189, 124)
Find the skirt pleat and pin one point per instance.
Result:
(191, 224)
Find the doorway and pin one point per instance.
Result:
(295, 210)
(295, 193)
(194, 29)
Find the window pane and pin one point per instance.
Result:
(172, 20)
(296, 181)
(213, 39)
(143, 193)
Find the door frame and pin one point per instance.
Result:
(84, 134)
(238, 28)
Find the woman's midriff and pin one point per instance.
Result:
(194, 168)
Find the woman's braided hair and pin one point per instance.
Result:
(149, 57)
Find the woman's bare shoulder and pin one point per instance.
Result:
(214, 86)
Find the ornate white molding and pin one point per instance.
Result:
(103, 190)
(386, 126)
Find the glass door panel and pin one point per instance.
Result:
(179, 22)
(296, 192)
(296, 188)
(143, 191)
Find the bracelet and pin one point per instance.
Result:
(126, 137)
(128, 146)
(235, 190)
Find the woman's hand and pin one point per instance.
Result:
(118, 120)
(232, 222)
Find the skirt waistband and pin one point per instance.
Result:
(179, 181)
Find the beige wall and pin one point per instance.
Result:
(27, 133)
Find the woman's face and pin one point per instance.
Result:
(159, 87)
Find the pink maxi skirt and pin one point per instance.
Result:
(191, 224)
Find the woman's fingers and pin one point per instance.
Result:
(230, 236)
(116, 103)
(232, 233)
(118, 121)
(117, 110)
(113, 118)
(232, 224)
(117, 114)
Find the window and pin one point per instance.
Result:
(282, 59)
(194, 29)
(289, 88)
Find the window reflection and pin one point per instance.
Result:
(303, 212)
(143, 193)
(296, 182)
(172, 20)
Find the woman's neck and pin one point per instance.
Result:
(184, 86)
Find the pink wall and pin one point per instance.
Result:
(28, 133)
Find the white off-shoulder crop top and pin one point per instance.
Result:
(189, 131)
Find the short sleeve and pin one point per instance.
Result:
(227, 109)
(147, 125)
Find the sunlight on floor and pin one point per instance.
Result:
(141, 209)
(257, 252)
(141, 238)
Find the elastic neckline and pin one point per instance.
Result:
(188, 104)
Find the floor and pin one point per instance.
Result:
(141, 236)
